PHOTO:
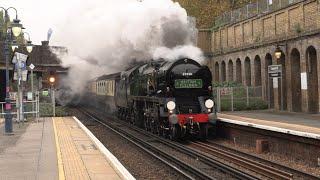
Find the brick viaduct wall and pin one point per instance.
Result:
(242, 52)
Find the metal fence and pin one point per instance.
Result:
(29, 108)
(40, 106)
(239, 98)
(250, 10)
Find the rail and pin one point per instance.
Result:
(254, 163)
(187, 151)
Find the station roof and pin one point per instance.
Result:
(109, 76)
(41, 56)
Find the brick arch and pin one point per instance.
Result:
(284, 78)
(223, 71)
(295, 59)
(257, 71)
(247, 71)
(216, 72)
(269, 84)
(230, 70)
(238, 71)
(312, 79)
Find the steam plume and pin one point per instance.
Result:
(104, 36)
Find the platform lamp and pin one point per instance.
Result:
(278, 52)
(15, 30)
(52, 80)
(28, 44)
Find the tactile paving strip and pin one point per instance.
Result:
(73, 165)
(80, 157)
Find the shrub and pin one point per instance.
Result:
(241, 104)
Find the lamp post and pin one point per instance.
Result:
(278, 54)
(15, 29)
(52, 79)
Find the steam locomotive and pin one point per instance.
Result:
(169, 98)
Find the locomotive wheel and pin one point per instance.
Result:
(146, 124)
(203, 131)
(138, 118)
(120, 113)
(175, 132)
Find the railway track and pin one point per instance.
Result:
(261, 166)
(263, 169)
(188, 170)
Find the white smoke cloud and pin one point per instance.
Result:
(104, 36)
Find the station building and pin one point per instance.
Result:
(242, 45)
(46, 64)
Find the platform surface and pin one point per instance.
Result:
(30, 153)
(309, 123)
(53, 148)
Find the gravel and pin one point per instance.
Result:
(140, 164)
(274, 157)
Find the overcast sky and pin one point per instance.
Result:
(37, 16)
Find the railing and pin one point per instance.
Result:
(30, 108)
(239, 98)
(250, 10)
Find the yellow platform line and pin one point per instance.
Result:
(60, 163)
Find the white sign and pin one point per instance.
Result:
(31, 66)
(274, 68)
(275, 82)
(14, 59)
(304, 84)
(29, 96)
(20, 56)
(24, 75)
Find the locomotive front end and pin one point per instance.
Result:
(190, 106)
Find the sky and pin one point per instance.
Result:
(37, 16)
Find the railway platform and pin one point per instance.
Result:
(56, 148)
(300, 124)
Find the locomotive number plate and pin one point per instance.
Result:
(188, 83)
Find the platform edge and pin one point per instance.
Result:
(115, 163)
(271, 128)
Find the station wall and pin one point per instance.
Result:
(243, 50)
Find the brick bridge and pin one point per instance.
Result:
(241, 50)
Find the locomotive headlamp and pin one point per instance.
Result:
(209, 103)
(171, 105)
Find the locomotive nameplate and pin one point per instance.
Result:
(188, 83)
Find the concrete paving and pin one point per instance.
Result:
(295, 121)
(284, 117)
(30, 153)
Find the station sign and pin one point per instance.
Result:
(274, 68)
(275, 71)
(275, 75)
